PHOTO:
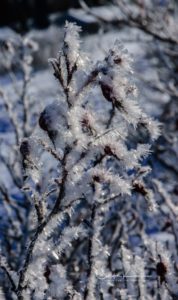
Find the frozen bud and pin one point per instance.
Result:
(45, 120)
(25, 148)
(47, 274)
(71, 43)
(107, 91)
(118, 60)
(53, 120)
(96, 178)
(161, 270)
(57, 72)
(86, 127)
(107, 150)
(140, 188)
(109, 95)
(46, 123)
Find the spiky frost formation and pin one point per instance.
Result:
(87, 184)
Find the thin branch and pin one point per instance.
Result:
(9, 278)
(11, 116)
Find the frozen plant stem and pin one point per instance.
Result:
(90, 253)
(40, 228)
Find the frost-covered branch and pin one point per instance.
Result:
(85, 175)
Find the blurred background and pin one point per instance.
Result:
(22, 14)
